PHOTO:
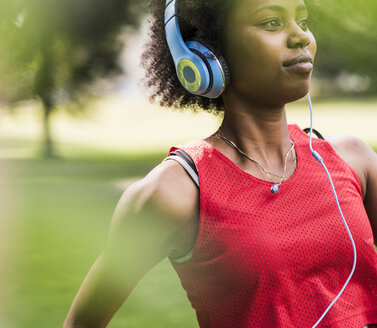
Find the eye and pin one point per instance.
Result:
(303, 24)
(272, 24)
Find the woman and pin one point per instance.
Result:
(247, 257)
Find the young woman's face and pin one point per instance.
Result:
(263, 41)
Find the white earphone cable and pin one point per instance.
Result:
(320, 160)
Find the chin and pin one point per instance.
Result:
(295, 92)
(297, 96)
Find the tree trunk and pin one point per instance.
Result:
(47, 145)
(44, 87)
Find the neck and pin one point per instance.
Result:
(259, 130)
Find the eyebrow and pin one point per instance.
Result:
(279, 9)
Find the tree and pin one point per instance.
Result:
(347, 41)
(53, 50)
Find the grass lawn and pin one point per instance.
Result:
(119, 125)
(59, 232)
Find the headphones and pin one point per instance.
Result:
(199, 70)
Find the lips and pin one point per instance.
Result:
(304, 58)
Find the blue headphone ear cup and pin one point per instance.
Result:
(223, 63)
(217, 66)
(222, 60)
(205, 61)
(226, 70)
(193, 73)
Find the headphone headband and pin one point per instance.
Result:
(191, 70)
(170, 10)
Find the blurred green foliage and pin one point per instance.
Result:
(346, 37)
(53, 50)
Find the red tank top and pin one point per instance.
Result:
(265, 260)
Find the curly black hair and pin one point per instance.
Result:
(201, 20)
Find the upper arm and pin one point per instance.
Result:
(152, 220)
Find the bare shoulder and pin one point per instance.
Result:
(355, 152)
(166, 201)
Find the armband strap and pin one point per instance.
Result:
(187, 163)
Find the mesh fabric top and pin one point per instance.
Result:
(265, 260)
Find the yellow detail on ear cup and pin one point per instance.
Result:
(189, 75)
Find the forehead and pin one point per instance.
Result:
(250, 7)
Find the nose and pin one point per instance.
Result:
(298, 38)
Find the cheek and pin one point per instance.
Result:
(261, 56)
